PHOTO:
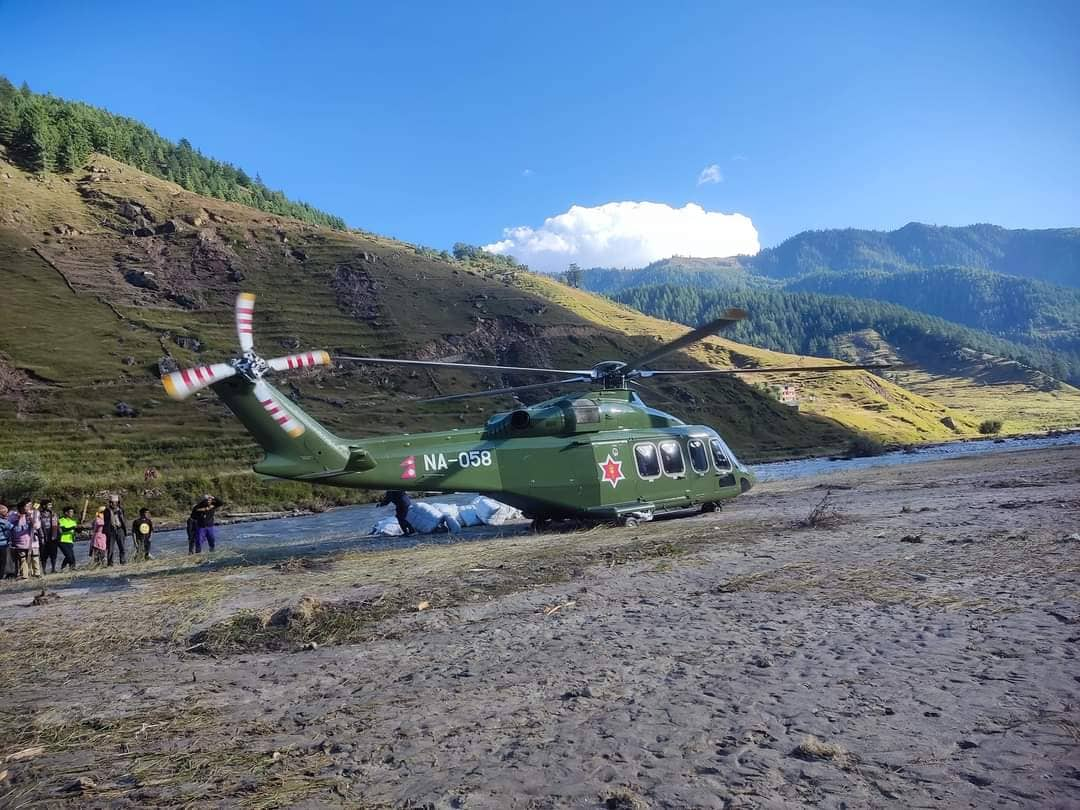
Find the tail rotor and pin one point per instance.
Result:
(182, 384)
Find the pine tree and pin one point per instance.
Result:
(9, 119)
(35, 139)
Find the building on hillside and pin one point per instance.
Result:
(787, 394)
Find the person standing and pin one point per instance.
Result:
(5, 543)
(24, 534)
(99, 540)
(401, 502)
(50, 535)
(35, 542)
(68, 525)
(116, 529)
(192, 530)
(203, 514)
(141, 532)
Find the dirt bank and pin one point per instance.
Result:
(919, 650)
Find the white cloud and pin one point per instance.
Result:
(627, 234)
(710, 174)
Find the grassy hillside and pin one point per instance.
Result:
(115, 270)
(970, 382)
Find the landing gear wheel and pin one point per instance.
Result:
(539, 524)
(629, 522)
(711, 506)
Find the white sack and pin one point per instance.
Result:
(387, 527)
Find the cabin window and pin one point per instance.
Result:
(699, 458)
(672, 458)
(723, 464)
(586, 412)
(648, 464)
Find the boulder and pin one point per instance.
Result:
(192, 344)
(142, 278)
(168, 226)
(130, 211)
(167, 365)
(125, 410)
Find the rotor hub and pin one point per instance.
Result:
(251, 366)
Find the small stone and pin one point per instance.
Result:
(82, 784)
(125, 410)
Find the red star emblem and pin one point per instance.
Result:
(408, 468)
(611, 471)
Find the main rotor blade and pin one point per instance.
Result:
(773, 370)
(725, 321)
(182, 384)
(304, 360)
(245, 313)
(392, 361)
(491, 392)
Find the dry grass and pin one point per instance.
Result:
(811, 748)
(824, 515)
(161, 757)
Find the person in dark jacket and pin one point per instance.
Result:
(142, 530)
(50, 535)
(401, 502)
(192, 529)
(203, 515)
(116, 529)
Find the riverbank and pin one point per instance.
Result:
(916, 649)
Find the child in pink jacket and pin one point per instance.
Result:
(98, 541)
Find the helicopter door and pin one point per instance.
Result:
(700, 476)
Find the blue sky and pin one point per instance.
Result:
(445, 122)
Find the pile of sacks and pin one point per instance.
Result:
(449, 517)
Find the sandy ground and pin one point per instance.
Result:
(918, 652)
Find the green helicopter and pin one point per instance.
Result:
(600, 454)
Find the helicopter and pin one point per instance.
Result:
(599, 454)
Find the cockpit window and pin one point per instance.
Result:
(586, 412)
(648, 464)
(699, 459)
(671, 456)
(720, 459)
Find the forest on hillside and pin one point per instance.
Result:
(43, 133)
(1022, 310)
(810, 324)
(1051, 255)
